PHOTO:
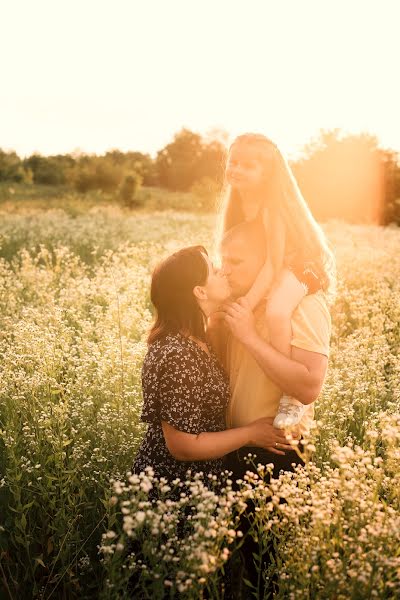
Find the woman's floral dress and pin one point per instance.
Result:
(188, 389)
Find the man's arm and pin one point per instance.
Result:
(301, 376)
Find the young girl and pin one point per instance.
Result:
(298, 261)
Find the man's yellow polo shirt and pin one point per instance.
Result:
(253, 394)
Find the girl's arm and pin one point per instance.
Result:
(276, 241)
(210, 445)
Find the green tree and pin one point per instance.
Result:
(177, 163)
(187, 159)
(136, 162)
(12, 168)
(50, 170)
(391, 161)
(97, 173)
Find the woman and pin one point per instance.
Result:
(185, 390)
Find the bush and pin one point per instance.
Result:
(12, 169)
(49, 170)
(129, 189)
(97, 173)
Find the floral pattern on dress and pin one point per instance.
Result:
(187, 388)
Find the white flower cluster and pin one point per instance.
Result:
(74, 310)
(178, 541)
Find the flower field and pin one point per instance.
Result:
(74, 311)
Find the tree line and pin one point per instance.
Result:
(341, 176)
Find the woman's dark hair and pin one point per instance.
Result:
(172, 295)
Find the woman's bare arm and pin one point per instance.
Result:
(211, 445)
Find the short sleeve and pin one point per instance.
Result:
(311, 324)
(171, 393)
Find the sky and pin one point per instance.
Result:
(100, 74)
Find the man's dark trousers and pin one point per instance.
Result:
(235, 462)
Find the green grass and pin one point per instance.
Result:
(19, 198)
(74, 311)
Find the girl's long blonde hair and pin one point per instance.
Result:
(283, 197)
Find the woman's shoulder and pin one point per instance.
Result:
(165, 349)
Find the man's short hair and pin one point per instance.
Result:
(251, 233)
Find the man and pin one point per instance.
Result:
(258, 373)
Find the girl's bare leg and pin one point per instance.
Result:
(284, 299)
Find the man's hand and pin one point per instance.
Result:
(240, 319)
(265, 435)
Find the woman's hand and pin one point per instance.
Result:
(264, 435)
(240, 319)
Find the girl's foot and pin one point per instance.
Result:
(290, 413)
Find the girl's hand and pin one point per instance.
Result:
(240, 319)
(264, 435)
